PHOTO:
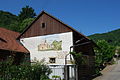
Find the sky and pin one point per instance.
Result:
(86, 16)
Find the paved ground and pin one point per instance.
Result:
(111, 72)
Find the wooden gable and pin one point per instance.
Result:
(44, 24)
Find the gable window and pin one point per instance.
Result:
(43, 25)
(52, 60)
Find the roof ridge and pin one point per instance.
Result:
(55, 19)
(66, 24)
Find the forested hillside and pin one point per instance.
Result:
(8, 20)
(113, 37)
(17, 23)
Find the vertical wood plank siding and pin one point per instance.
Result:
(52, 27)
(86, 70)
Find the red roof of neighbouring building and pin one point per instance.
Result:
(8, 41)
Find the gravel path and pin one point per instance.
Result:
(111, 72)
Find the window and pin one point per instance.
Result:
(52, 60)
(43, 25)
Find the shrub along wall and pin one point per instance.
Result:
(37, 71)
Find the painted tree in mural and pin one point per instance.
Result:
(57, 45)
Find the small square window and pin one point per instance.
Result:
(52, 60)
(43, 25)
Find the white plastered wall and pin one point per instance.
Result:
(32, 43)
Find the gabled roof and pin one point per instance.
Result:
(43, 12)
(8, 41)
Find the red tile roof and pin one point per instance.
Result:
(8, 41)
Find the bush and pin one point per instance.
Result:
(78, 57)
(37, 71)
(103, 55)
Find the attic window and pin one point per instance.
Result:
(43, 25)
(52, 60)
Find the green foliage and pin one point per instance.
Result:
(37, 71)
(24, 24)
(8, 20)
(14, 27)
(55, 76)
(112, 37)
(78, 57)
(26, 12)
(106, 50)
(17, 23)
(118, 50)
(104, 54)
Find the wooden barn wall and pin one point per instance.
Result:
(86, 49)
(88, 69)
(52, 27)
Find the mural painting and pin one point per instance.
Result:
(53, 45)
(49, 46)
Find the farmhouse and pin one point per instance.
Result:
(9, 46)
(51, 40)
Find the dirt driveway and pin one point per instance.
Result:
(111, 72)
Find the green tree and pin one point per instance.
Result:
(26, 12)
(78, 57)
(8, 20)
(24, 24)
(14, 26)
(24, 71)
(112, 37)
(106, 50)
(104, 54)
(118, 50)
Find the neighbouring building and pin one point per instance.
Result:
(49, 39)
(9, 46)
